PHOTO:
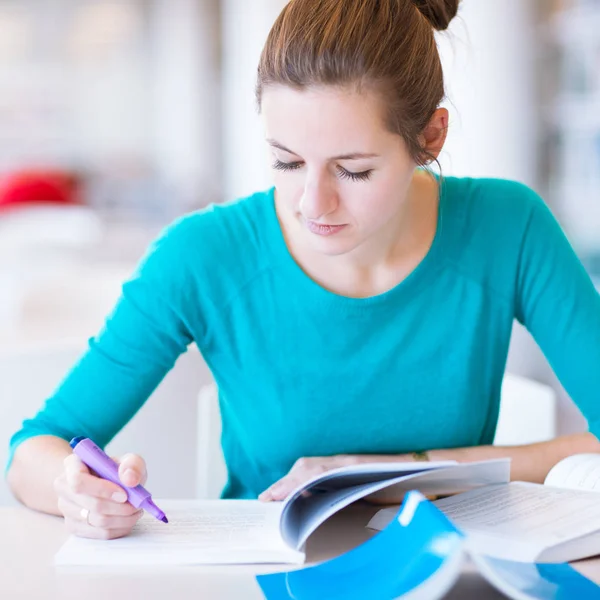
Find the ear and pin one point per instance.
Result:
(434, 135)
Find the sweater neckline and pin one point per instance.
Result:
(304, 284)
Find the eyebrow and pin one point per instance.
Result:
(350, 156)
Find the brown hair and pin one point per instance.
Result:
(384, 45)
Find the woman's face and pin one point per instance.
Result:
(341, 178)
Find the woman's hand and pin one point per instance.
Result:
(303, 470)
(94, 507)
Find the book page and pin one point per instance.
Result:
(353, 475)
(580, 472)
(303, 513)
(419, 556)
(314, 501)
(198, 532)
(516, 521)
(444, 482)
(531, 581)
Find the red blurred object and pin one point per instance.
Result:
(38, 187)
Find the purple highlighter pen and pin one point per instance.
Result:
(105, 467)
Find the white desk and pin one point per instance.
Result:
(28, 541)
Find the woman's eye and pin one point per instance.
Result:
(362, 176)
(283, 166)
(293, 166)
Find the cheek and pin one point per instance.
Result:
(373, 207)
(289, 190)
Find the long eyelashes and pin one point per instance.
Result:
(281, 166)
(363, 176)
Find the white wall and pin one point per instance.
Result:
(245, 26)
(488, 55)
(489, 60)
(186, 106)
(128, 91)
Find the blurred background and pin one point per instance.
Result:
(118, 116)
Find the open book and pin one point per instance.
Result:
(249, 531)
(421, 555)
(556, 522)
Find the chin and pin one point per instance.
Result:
(329, 246)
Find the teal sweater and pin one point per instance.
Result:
(302, 371)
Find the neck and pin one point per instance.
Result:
(382, 262)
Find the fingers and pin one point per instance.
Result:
(81, 481)
(266, 496)
(132, 470)
(80, 528)
(94, 507)
(90, 517)
(104, 507)
(304, 469)
(281, 489)
(83, 520)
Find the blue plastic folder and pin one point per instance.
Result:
(420, 553)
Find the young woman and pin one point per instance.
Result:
(360, 310)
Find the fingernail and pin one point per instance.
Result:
(129, 474)
(119, 497)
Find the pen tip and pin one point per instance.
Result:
(165, 520)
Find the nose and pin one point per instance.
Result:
(318, 200)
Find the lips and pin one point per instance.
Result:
(324, 230)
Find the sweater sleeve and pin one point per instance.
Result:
(557, 302)
(139, 343)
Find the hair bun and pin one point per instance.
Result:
(438, 12)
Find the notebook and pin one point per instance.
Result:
(421, 555)
(252, 532)
(554, 522)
